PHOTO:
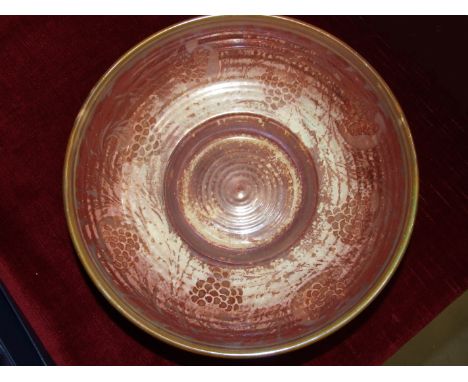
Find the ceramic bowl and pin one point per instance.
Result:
(240, 186)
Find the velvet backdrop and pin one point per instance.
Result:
(48, 66)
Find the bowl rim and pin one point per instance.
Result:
(170, 337)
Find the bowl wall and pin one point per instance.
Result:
(240, 186)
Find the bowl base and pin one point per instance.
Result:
(240, 188)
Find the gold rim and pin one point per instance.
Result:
(171, 338)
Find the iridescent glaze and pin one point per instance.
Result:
(240, 189)
(241, 184)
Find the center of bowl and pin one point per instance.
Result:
(240, 188)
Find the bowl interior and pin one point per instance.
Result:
(240, 184)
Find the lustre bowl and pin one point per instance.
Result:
(240, 186)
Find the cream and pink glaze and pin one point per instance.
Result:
(304, 200)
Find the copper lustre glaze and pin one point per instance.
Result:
(240, 186)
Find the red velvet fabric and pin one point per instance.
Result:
(48, 66)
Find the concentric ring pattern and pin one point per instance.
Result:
(240, 189)
(241, 183)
